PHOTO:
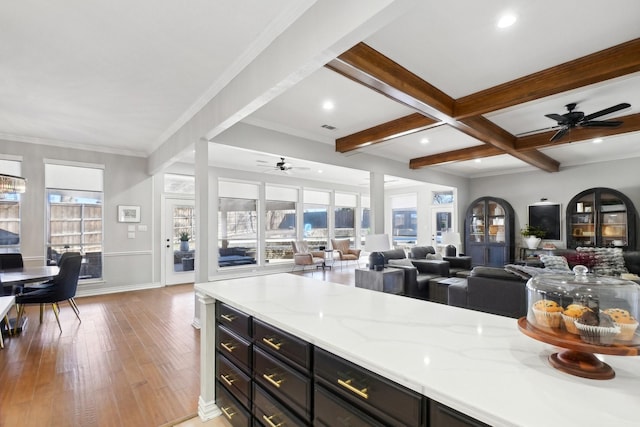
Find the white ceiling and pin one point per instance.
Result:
(123, 76)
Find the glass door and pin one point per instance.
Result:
(477, 223)
(179, 241)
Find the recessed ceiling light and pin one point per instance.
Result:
(597, 140)
(328, 105)
(478, 160)
(507, 20)
(424, 141)
(319, 170)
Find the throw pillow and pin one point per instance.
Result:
(605, 261)
(555, 262)
(401, 262)
(434, 256)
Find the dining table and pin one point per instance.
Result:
(10, 278)
(25, 275)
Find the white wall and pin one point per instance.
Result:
(127, 262)
(523, 189)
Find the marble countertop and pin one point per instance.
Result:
(477, 363)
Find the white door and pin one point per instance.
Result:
(179, 221)
(441, 220)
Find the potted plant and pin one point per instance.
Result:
(532, 235)
(184, 241)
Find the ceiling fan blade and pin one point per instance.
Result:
(600, 124)
(558, 118)
(607, 111)
(559, 134)
(532, 132)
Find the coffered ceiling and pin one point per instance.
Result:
(440, 86)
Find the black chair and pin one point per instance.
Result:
(60, 288)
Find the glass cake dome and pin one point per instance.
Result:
(601, 310)
(586, 314)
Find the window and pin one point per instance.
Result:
(344, 216)
(10, 211)
(315, 231)
(442, 197)
(75, 216)
(404, 220)
(365, 219)
(237, 231)
(280, 226)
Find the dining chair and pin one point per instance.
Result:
(61, 288)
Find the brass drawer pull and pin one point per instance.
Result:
(347, 384)
(271, 424)
(226, 379)
(271, 380)
(227, 412)
(228, 317)
(271, 343)
(228, 346)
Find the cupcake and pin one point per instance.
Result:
(597, 328)
(548, 313)
(625, 321)
(570, 314)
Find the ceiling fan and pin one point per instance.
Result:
(574, 119)
(283, 166)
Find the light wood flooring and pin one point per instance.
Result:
(133, 361)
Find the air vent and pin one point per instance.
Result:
(329, 127)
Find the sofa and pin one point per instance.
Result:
(499, 291)
(459, 266)
(417, 272)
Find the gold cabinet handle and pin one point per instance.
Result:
(271, 424)
(271, 343)
(228, 317)
(347, 384)
(227, 412)
(228, 346)
(226, 379)
(271, 380)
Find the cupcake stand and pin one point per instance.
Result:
(596, 292)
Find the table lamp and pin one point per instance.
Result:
(451, 239)
(375, 244)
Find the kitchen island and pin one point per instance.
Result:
(478, 364)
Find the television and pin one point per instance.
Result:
(547, 217)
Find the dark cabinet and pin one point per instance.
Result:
(601, 217)
(489, 232)
(443, 416)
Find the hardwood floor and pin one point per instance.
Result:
(133, 361)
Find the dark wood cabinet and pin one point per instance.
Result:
(489, 232)
(443, 416)
(601, 217)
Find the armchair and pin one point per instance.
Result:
(345, 253)
(303, 256)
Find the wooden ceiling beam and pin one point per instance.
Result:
(630, 123)
(607, 64)
(469, 153)
(412, 123)
(370, 68)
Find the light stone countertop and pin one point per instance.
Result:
(477, 363)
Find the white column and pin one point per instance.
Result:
(207, 408)
(201, 170)
(376, 192)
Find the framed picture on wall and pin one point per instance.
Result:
(128, 213)
(547, 217)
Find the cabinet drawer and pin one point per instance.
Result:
(330, 410)
(390, 402)
(234, 347)
(234, 380)
(443, 416)
(269, 412)
(284, 382)
(234, 319)
(276, 341)
(231, 409)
